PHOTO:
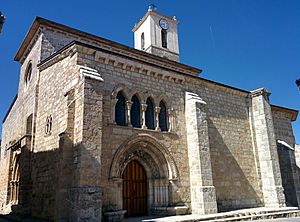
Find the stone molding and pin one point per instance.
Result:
(147, 145)
(87, 72)
(259, 92)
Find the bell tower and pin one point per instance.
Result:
(157, 34)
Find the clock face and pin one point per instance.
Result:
(163, 24)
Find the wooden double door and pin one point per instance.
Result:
(135, 190)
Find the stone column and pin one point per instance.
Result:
(264, 136)
(11, 186)
(203, 197)
(128, 108)
(157, 111)
(171, 120)
(143, 109)
(23, 194)
(113, 110)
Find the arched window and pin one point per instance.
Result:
(28, 72)
(120, 110)
(149, 114)
(164, 39)
(143, 41)
(135, 112)
(163, 121)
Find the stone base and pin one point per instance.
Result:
(85, 204)
(170, 211)
(114, 216)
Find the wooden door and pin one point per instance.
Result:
(135, 190)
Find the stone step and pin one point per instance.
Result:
(256, 216)
(236, 215)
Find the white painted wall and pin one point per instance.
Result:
(152, 31)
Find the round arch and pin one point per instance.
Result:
(155, 158)
(118, 88)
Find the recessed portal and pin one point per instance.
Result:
(135, 189)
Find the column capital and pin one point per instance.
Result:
(144, 107)
(129, 104)
(171, 112)
(157, 109)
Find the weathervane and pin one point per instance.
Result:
(152, 7)
(298, 83)
(2, 20)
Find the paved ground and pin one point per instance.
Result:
(148, 219)
(152, 219)
(282, 220)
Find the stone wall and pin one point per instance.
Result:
(55, 82)
(288, 168)
(3, 185)
(228, 124)
(15, 125)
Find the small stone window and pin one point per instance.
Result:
(48, 127)
(28, 73)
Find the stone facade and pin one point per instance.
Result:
(63, 153)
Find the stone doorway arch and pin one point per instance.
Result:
(159, 166)
(14, 180)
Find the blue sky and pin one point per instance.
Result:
(247, 44)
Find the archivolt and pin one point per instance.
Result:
(118, 88)
(154, 156)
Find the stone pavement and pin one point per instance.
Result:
(296, 219)
(286, 214)
(236, 215)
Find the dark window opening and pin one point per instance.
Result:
(164, 40)
(29, 125)
(28, 73)
(163, 121)
(143, 41)
(48, 127)
(120, 110)
(135, 112)
(149, 114)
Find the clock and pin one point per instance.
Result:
(163, 24)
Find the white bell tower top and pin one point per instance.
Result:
(157, 34)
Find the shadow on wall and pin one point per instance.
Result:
(60, 186)
(288, 167)
(233, 182)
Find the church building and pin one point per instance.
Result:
(100, 127)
